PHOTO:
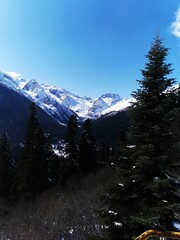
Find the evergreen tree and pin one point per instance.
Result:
(71, 144)
(87, 159)
(6, 166)
(146, 197)
(103, 153)
(174, 169)
(33, 171)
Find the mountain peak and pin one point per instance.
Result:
(14, 75)
(17, 77)
(110, 95)
(31, 85)
(8, 81)
(111, 98)
(60, 103)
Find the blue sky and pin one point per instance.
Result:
(88, 47)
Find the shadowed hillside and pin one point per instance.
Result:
(108, 127)
(14, 109)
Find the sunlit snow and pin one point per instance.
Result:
(60, 103)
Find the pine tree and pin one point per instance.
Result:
(146, 197)
(6, 166)
(175, 150)
(87, 158)
(71, 144)
(103, 153)
(32, 171)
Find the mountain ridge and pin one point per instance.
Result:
(15, 112)
(60, 103)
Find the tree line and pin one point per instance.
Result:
(38, 167)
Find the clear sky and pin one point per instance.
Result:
(88, 47)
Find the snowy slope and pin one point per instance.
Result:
(8, 81)
(77, 104)
(60, 103)
(43, 98)
(119, 106)
(36, 93)
(102, 104)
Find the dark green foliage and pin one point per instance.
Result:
(33, 168)
(103, 153)
(14, 116)
(108, 127)
(54, 172)
(6, 166)
(71, 146)
(174, 169)
(145, 197)
(87, 158)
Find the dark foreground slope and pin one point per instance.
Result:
(108, 127)
(66, 212)
(14, 115)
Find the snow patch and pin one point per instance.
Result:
(118, 224)
(176, 225)
(121, 184)
(119, 106)
(115, 213)
(14, 75)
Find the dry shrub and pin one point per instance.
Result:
(64, 212)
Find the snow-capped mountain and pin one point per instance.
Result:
(8, 81)
(36, 93)
(119, 106)
(60, 103)
(104, 102)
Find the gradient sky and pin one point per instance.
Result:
(88, 47)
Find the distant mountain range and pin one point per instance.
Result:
(55, 106)
(60, 103)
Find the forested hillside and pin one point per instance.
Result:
(15, 111)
